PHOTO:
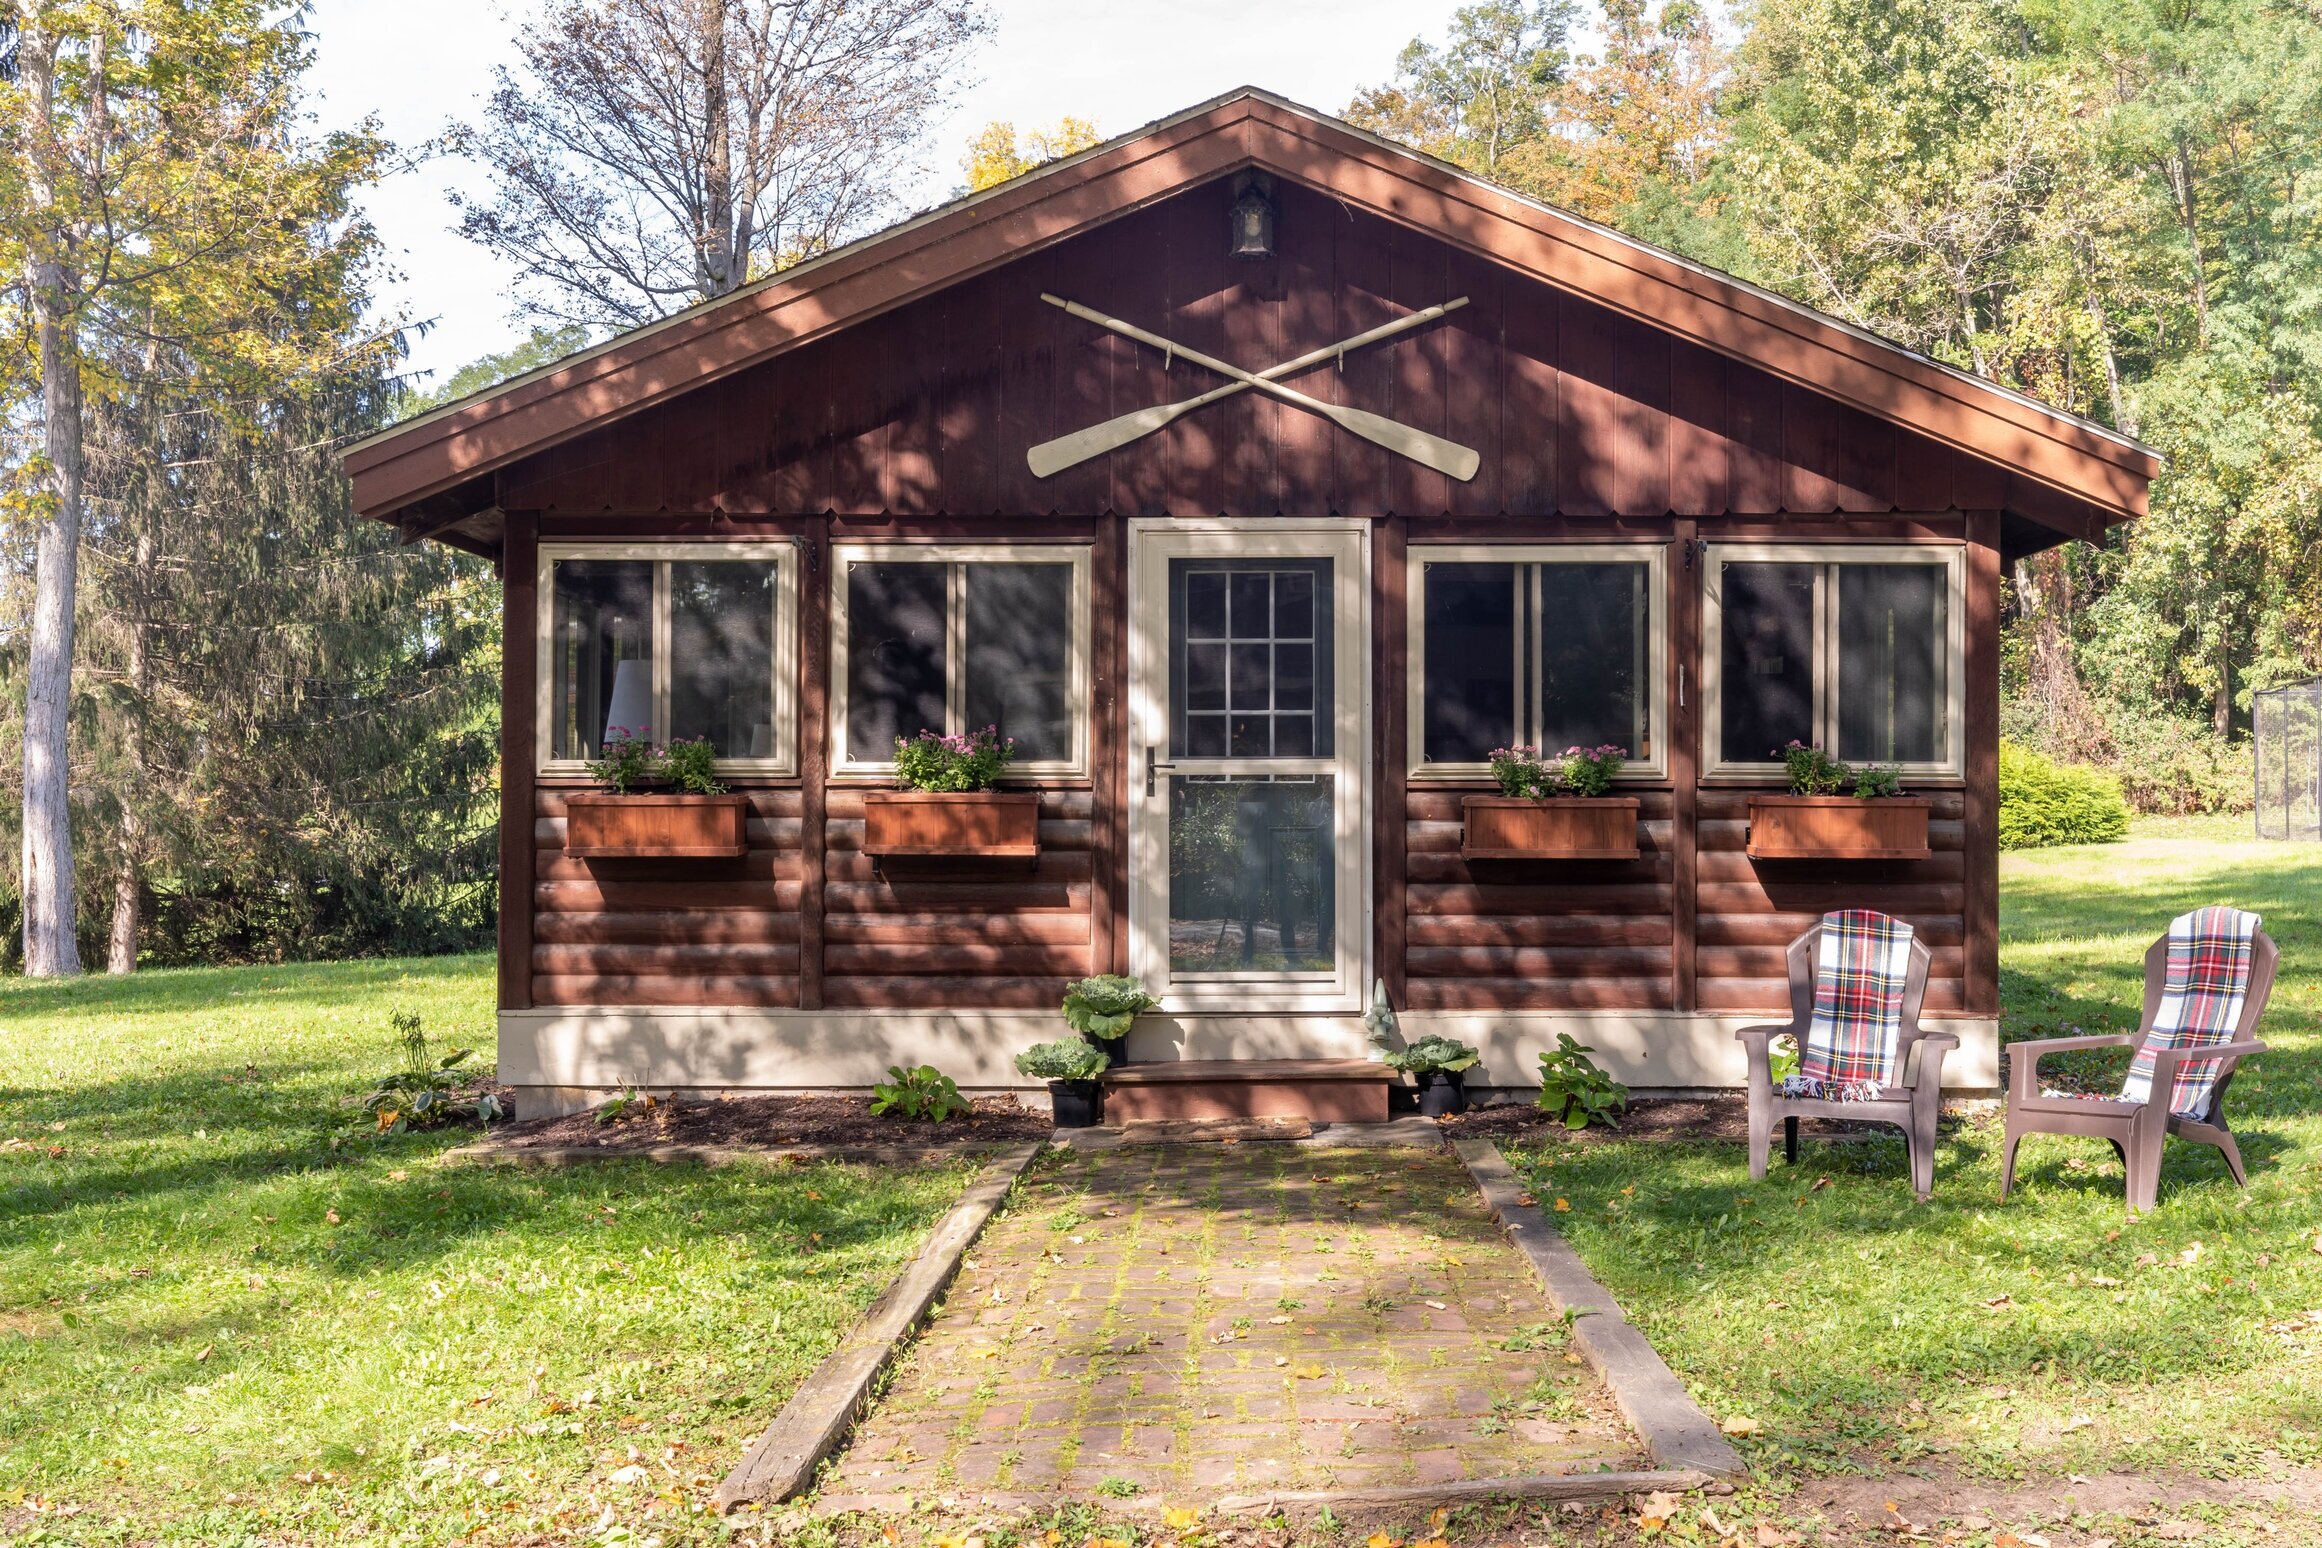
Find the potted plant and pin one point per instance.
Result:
(691, 816)
(1551, 811)
(1102, 1008)
(1071, 1066)
(944, 803)
(1439, 1065)
(1834, 812)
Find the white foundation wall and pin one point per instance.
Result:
(562, 1059)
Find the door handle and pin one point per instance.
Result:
(1152, 768)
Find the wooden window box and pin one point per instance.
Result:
(1794, 827)
(974, 824)
(1553, 828)
(657, 827)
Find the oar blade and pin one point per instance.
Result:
(1067, 451)
(1432, 451)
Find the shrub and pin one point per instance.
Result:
(2044, 803)
(1105, 1005)
(925, 1092)
(1447, 1055)
(932, 761)
(1590, 771)
(1574, 1089)
(1068, 1058)
(2177, 766)
(690, 765)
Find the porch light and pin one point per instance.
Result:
(1250, 222)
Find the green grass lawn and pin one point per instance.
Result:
(228, 1313)
(2047, 1335)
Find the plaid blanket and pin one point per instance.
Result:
(1859, 970)
(2202, 991)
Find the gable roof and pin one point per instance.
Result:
(428, 473)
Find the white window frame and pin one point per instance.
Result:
(848, 762)
(783, 555)
(1654, 557)
(1952, 557)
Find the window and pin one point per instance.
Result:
(668, 641)
(1551, 647)
(1854, 649)
(955, 639)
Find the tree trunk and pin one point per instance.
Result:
(2221, 708)
(49, 911)
(129, 874)
(725, 255)
(2188, 211)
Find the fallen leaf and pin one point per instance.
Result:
(1999, 1303)
(331, 1215)
(1655, 1510)
(1564, 1207)
(2078, 1422)
(1740, 1424)
(1770, 1536)
(1438, 1305)
(1179, 1518)
(1382, 1540)
(626, 1476)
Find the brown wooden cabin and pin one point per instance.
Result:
(1254, 660)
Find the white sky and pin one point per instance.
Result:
(419, 63)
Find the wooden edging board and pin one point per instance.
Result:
(782, 1461)
(1674, 1429)
(485, 1153)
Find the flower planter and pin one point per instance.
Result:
(1116, 1048)
(902, 824)
(1441, 1092)
(1551, 828)
(1075, 1102)
(656, 827)
(1794, 827)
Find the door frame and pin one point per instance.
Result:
(1153, 542)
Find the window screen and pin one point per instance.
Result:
(1249, 659)
(1893, 634)
(1019, 655)
(1766, 659)
(601, 637)
(896, 656)
(1468, 686)
(721, 655)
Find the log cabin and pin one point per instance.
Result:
(1259, 478)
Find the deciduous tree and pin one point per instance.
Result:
(649, 154)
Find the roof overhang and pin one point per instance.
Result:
(2068, 473)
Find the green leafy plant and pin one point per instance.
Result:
(425, 1093)
(629, 1100)
(925, 1093)
(1573, 1089)
(1068, 1058)
(689, 764)
(2044, 803)
(1782, 1057)
(1590, 771)
(933, 761)
(1446, 1054)
(1874, 780)
(1813, 771)
(1520, 771)
(627, 761)
(1105, 1005)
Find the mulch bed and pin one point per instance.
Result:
(773, 1122)
(1648, 1118)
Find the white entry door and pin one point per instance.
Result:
(1249, 717)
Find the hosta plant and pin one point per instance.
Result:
(1432, 1054)
(1574, 1090)
(426, 1091)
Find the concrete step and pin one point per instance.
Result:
(1208, 1090)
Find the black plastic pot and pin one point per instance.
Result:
(1116, 1048)
(1441, 1092)
(1075, 1103)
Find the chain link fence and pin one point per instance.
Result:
(2288, 745)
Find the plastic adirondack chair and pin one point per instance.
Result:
(2139, 1130)
(1913, 1109)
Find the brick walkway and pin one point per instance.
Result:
(1190, 1321)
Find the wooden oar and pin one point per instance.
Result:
(1433, 451)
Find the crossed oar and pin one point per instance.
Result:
(1431, 450)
